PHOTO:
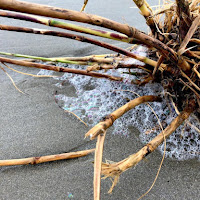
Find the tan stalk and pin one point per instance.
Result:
(195, 40)
(58, 69)
(109, 120)
(87, 40)
(160, 124)
(89, 59)
(142, 5)
(55, 12)
(195, 70)
(114, 170)
(97, 165)
(96, 67)
(84, 5)
(42, 159)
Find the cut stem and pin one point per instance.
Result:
(42, 159)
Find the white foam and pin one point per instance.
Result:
(97, 98)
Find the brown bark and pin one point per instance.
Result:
(189, 35)
(184, 16)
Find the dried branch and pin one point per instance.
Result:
(109, 120)
(68, 26)
(114, 170)
(42, 159)
(58, 69)
(84, 5)
(81, 39)
(67, 14)
(142, 5)
(98, 164)
(189, 35)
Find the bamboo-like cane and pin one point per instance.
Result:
(42, 159)
(109, 120)
(82, 39)
(132, 32)
(87, 60)
(142, 5)
(114, 170)
(58, 69)
(97, 63)
(68, 26)
(55, 12)
(49, 11)
(97, 165)
(84, 5)
(45, 59)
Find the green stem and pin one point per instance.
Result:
(45, 59)
(68, 26)
(58, 69)
(55, 12)
(81, 39)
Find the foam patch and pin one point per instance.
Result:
(97, 98)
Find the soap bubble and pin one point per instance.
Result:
(105, 96)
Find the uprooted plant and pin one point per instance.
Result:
(173, 60)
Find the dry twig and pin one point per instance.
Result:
(42, 159)
(109, 120)
(114, 170)
(98, 164)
